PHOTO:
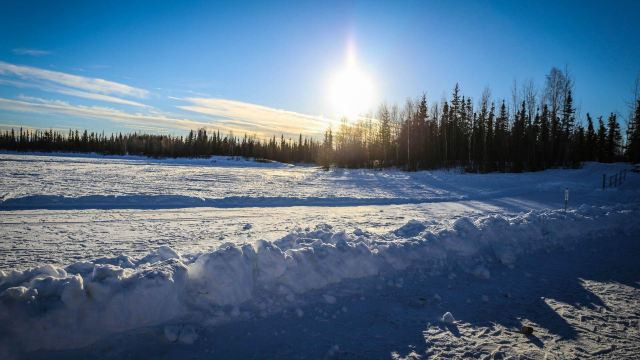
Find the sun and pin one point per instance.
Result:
(351, 91)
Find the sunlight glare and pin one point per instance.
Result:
(351, 90)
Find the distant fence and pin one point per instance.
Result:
(614, 180)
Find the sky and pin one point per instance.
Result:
(270, 67)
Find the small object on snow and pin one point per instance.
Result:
(527, 330)
(247, 226)
(448, 318)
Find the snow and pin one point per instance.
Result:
(330, 299)
(412, 228)
(164, 286)
(185, 334)
(49, 182)
(448, 318)
(81, 208)
(369, 236)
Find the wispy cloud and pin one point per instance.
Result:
(71, 92)
(213, 113)
(258, 119)
(88, 84)
(30, 52)
(49, 107)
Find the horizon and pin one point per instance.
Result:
(297, 69)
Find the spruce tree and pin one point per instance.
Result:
(602, 141)
(545, 135)
(633, 135)
(614, 138)
(591, 142)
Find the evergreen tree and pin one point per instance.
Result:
(602, 141)
(614, 139)
(501, 138)
(591, 141)
(544, 141)
(633, 135)
(567, 124)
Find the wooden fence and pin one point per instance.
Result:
(614, 180)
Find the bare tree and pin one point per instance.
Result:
(557, 86)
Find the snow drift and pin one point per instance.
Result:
(56, 308)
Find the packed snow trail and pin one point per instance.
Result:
(51, 308)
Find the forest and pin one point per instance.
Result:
(535, 130)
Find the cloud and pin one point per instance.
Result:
(30, 52)
(213, 113)
(258, 119)
(100, 97)
(83, 83)
(49, 107)
(71, 92)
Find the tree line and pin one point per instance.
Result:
(535, 130)
(198, 143)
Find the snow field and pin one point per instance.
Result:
(51, 307)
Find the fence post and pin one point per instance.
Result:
(604, 179)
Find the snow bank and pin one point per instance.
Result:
(57, 308)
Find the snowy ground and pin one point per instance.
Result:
(149, 260)
(80, 208)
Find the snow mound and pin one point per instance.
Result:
(412, 228)
(448, 318)
(183, 334)
(57, 308)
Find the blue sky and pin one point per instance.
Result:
(264, 67)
